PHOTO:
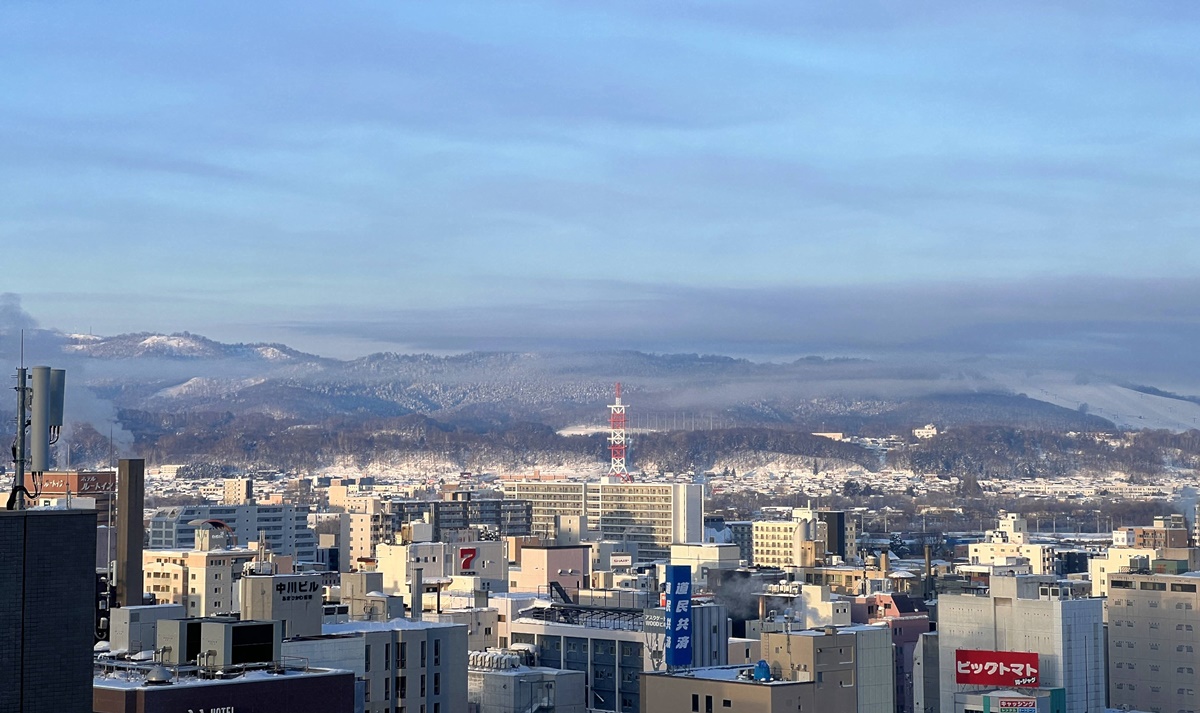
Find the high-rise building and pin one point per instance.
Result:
(47, 610)
(1055, 621)
(1153, 642)
(653, 515)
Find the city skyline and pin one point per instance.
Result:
(765, 180)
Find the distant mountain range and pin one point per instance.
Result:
(184, 397)
(188, 373)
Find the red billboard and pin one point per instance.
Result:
(996, 668)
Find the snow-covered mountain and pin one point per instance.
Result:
(183, 345)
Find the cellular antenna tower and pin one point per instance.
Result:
(617, 444)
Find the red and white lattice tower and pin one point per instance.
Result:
(617, 444)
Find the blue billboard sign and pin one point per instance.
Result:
(677, 639)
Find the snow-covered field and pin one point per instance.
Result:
(1123, 406)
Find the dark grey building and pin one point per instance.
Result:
(47, 610)
(507, 517)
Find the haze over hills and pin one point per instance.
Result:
(187, 398)
(189, 373)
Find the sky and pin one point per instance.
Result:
(750, 178)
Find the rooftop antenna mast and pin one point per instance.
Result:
(39, 422)
(617, 442)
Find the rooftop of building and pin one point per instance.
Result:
(353, 627)
(127, 675)
(739, 673)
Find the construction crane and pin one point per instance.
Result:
(618, 444)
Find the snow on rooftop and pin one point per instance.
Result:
(351, 627)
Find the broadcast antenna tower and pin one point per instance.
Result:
(617, 443)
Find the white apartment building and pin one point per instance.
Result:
(653, 515)
(284, 528)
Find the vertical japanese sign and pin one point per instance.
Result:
(677, 639)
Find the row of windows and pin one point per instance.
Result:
(1158, 689)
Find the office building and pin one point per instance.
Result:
(835, 529)
(399, 664)
(294, 600)
(1153, 642)
(907, 618)
(704, 557)
(47, 610)
(1054, 621)
(501, 682)
(652, 515)
(371, 521)
(204, 579)
(614, 646)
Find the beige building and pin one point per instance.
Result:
(485, 560)
(1117, 560)
(203, 580)
(1011, 539)
(848, 670)
(362, 532)
(238, 491)
(294, 600)
(652, 515)
(567, 565)
(704, 557)
(852, 667)
(734, 689)
(1153, 642)
(784, 543)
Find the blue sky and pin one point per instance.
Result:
(751, 178)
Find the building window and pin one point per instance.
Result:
(422, 685)
(437, 684)
(726, 703)
(437, 652)
(367, 651)
(695, 703)
(402, 655)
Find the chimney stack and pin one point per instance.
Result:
(131, 499)
(418, 594)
